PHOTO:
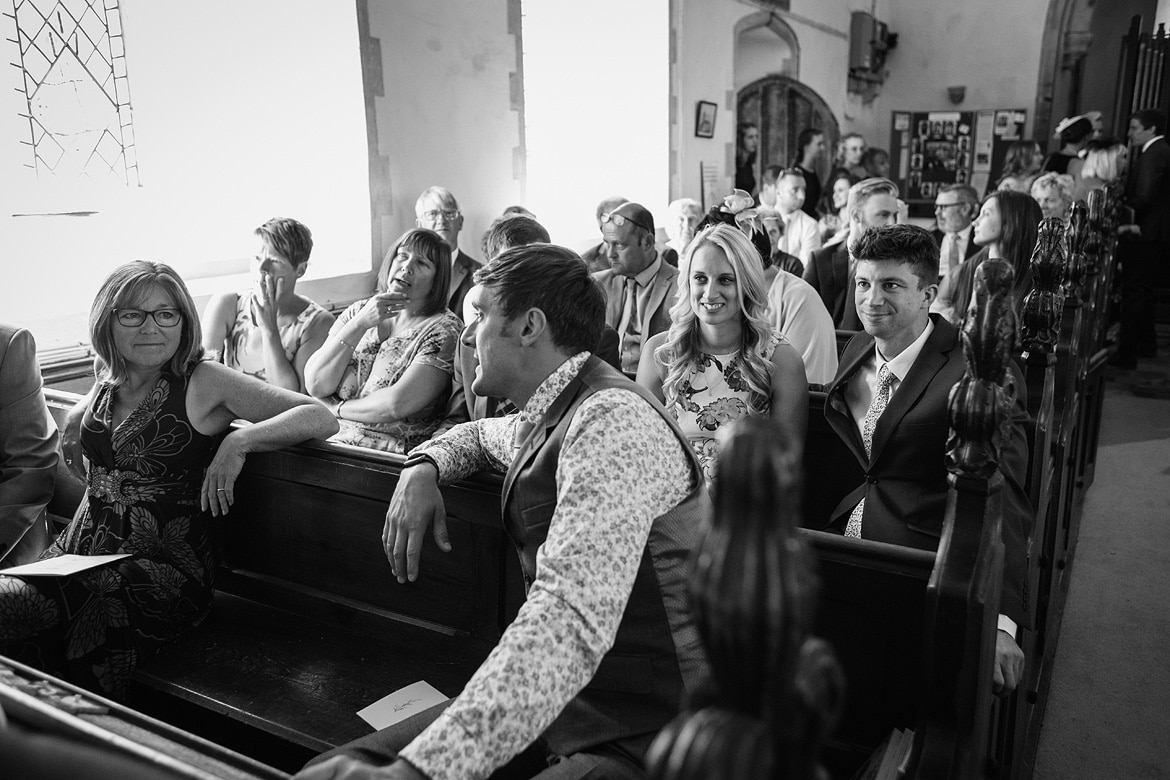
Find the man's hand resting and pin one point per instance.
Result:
(346, 768)
(1009, 664)
(416, 503)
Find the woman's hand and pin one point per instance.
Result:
(268, 292)
(378, 308)
(218, 491)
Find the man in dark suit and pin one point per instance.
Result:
(888, 404)
(1143, 257)
(955, 207)
(639, 286)
(436, 209)
(872, 202)
(28, 451)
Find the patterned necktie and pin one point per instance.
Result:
(953, 254)
(881, 397)
(628, 327)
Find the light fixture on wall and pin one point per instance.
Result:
(957, 93)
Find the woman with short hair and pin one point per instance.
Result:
(386, 368)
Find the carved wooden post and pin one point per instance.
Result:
(1077, 239)
(1045, 303)
(774, 691)
(962, 600)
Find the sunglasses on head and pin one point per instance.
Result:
(621, 219)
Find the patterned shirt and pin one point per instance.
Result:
(620, 467)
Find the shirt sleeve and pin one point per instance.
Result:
(604, 512)
(474, 446)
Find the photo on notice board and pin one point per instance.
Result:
(705, 120)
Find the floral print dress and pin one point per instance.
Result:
(142, 498)
(244, 346)
(714, 395)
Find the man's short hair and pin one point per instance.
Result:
(774, 173)
(865, 189)
(806, 137)
(639, 216)
(908, 244)
(554, 280)
(511, 231)
(288, 238)
(966, 193)
(1151, 117)
(608, 205)
(442, 194)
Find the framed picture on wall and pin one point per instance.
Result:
(705, 120)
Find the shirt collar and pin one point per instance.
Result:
(1147, 144)
(962, 234)
(551, 387)
(900, 366)
(648, 273)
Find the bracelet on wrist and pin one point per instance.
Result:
(337, 411)
(345, 343)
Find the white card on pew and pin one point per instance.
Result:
(64, 565)
(401, 704)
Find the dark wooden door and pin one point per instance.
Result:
(782, 107)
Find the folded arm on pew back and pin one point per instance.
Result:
(897, 467)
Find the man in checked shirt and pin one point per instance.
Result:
(604, 502)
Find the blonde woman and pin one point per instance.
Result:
(721, 360)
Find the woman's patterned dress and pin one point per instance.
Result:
(142, 498)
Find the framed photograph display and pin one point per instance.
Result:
(705, 119)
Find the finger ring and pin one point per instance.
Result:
(69, 461)
(220, 490)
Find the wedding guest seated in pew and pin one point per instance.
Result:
(464, 404)
(722, 360)
(1007, 228)
(270, 331)
(597, 256)
(602, 482)
(871, 202)
(160, 467)
(793, 306)
(888, 404)
(1053, 192)
(436, 209)
(385, 369)
(28, 451)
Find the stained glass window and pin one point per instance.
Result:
(76, 93)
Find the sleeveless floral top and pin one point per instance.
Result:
(244, 348)
(714, 395)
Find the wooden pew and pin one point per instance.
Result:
(308, 625)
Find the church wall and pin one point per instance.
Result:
(444, 115)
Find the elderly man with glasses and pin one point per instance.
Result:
(639, 285)
(955, 207)
(436, 209)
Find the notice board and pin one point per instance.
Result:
(930, 149)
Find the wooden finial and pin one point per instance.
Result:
(1042, 308)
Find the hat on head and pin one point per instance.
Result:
(636, 213)
(1068, 122)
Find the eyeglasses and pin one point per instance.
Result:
(164, 318)
(621, 219)
(447, 215)
(945, 206)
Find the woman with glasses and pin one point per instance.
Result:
(1007, 227)
(162, 463)
(270, 332)
(386, 368)
(721, 360)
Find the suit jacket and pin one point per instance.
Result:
(28, 450)
(829, 274)
(904, 481)
(656, 314)
(971, 247)
(1148, 192)
(463, 268)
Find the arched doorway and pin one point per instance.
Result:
(782, 107)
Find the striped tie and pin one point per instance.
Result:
(881, 397)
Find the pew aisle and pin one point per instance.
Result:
(1108, 713)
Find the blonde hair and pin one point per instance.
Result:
(127, 285)
(681, 353)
